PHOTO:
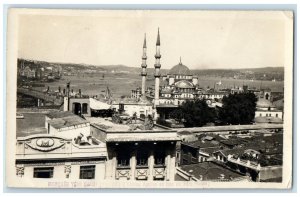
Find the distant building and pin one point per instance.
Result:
(140, 108)
(266, 112)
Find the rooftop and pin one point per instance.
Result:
(264, 103)
(67, 121)
(210, 171)
(60, 114)
(202, 144)
(135, 126)
(232, 128)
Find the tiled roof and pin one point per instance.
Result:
(209, 171)
(202, 144)
(235, 151)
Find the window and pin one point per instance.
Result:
(84, 108)
(159, 158)
(44, 172)
(276, 115)
(87, 172)
(142, 158)
(260, 114)
(124, 158)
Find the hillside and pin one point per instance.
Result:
(265, 73)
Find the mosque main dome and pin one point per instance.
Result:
(180, 69)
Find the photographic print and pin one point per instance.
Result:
(149, 99)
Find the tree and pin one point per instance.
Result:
(238, 108)
(196, 113)
(177, 114)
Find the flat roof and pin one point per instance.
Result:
(107, 125)
(60, 114)
(68, 121)
(232, 128)
(140, 139)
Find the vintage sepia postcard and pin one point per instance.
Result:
(149, 99)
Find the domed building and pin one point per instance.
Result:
(180, 85)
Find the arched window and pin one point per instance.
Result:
(276, 115)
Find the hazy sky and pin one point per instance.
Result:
(202, 39)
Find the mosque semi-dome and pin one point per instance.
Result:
(184, 84)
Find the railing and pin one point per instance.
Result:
(123, 172)
(142, 172)
(245, 163)
(159, 171)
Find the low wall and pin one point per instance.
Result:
(185, 175)
(270, 172)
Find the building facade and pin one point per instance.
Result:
(49, 156)
(98, 149)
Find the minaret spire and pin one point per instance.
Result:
(158, 39)
(180, 61)
(157, 70)
(144, 66)
(145, 45)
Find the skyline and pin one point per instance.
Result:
(226, 39)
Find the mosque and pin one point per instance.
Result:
(180, 82)
(172, 89)
(181, 85)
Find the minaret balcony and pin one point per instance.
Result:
(143, 73)
(157, 75)
(144, 57)
(144, 65)
(157, 56)
(157, 65)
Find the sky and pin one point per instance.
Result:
(203, 39)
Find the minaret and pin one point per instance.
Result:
(144, 66)
(157, 70)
